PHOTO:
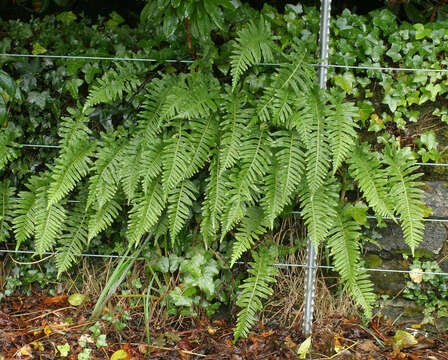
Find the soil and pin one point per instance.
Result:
(43, 327)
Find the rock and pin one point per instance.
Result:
(388, 282)
(392, 243)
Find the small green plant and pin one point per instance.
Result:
(428, 290)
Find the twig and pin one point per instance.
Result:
(174, 349)
(31, 262)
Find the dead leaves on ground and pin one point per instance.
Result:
(52, 328)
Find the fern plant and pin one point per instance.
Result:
(212, 155)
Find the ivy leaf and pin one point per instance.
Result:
(7, 84)
(345, 81)
(66, 17)
(63, 349)
(38, 49)
(421, 31)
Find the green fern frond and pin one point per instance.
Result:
(8, 150)
(319, 211)
(215, 197)
(198, 97)
(406, 193)
(254, 289)
(103, 217)
(24, 216)
(342, 129)
(255, 159)
(372, 180)
(151, 118)
(112, 85)
(70, 168)
(255, 156)
(6, 209)
(284, 175)
(74, 238)
(180, 202)
(235, 208)
(73, 130)
(104, 183)
(344, 245)
(252, 226)
(318, 154)
(289, 82)
(236, 118)
(151, 163)
(253, 44)
(129, 167)
(203, 135)
(361, 289)
(145, 212)
(175, 159)
(49, 221)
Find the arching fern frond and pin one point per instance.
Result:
(49, 221)
(215, 197)
(254, 289)
(103, 217)
(252, 226)
(6, 209)
(318, 154)
(129, 167)
(344, 245)
(8, 150)
(203, 135)
(73, 130)
(253, 44)
(104, 182)
(175, 159)
(70, 168)
(406, 193)
(74, 238)
(372, 180)
(124, 79)
(319, 211)
(151, 163)
(235, 119)
(289, 82)
(24, 215)
(151, 121)
(284, 175)
(342, 128)
(180, 202)
(145, 212)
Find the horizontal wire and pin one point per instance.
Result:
(60, 147)
(389, 218)
(20, 199)
(41, 146)
(281, 265)
(361, 67)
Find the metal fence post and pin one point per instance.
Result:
(310, 279)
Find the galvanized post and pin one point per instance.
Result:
(310, 279)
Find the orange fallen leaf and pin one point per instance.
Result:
(268, 333)
(47, 330)
(56, 300)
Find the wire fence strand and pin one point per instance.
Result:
(280, 265)
(102, 58)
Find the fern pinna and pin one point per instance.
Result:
(242, 155)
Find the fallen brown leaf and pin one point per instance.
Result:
(55, 300)
(368, 346)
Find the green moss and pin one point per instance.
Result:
(373, 261)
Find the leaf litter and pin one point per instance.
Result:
(40, 327)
